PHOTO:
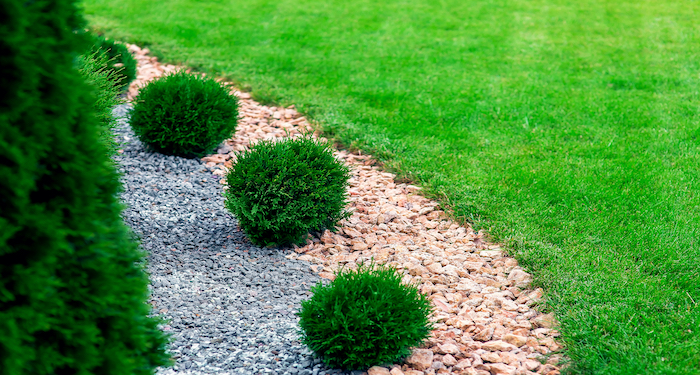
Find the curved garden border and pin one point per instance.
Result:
(486, 320)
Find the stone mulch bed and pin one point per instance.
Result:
(486, 320)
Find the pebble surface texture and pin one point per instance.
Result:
(230, 304)
(486, 321)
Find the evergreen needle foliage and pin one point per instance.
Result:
(364, 318)
(119, 60)
(72, 297)
(94, 67)
(281, 190)
(184, 114)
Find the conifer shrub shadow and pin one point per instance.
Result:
(364, 318)
(72, 294)
(184, 114)
(281, 190)
(120, 61)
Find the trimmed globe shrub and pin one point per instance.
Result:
(72, 296)
(364, 318)
(281, 190)
(184, 114)
(119, 60)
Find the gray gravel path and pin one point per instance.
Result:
(230, 304)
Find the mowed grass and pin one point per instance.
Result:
(569, 130)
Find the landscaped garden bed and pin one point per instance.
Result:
(485, 319)
(564, 133)
(568, 131)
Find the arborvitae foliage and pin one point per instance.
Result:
(281, 190)
(364, 318)
(184, 114)
(72, 297)
(94, 68)
(120, 60)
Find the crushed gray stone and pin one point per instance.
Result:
(229, 304)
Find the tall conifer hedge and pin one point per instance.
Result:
(72, 299)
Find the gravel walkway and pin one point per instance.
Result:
(230, 304)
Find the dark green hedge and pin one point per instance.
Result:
(72, 298)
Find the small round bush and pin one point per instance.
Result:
(281, 190)
(364, 318)
(184, 114)
(119, 60)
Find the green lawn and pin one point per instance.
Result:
(569, 130)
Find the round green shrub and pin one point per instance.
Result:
(364, 318)
(184, 114)
(119, 60)
(281, 190)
